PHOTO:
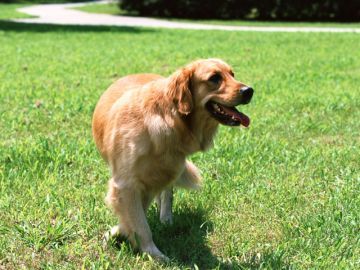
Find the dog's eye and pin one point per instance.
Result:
(216, 78)
(232, 74)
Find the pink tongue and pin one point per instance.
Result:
(245, 121)
(239, 116)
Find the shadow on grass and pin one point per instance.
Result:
(186, 245)
(185, 242)
(37, 27)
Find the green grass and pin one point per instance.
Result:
(283, 194)
(8, 11)
(109, 8)
(113, 9)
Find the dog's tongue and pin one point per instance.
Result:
(239, 116)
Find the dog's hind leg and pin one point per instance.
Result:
(147, 198)
(113, 201)
(164, 201)
(189, 178)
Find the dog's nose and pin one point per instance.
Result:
(246, 93)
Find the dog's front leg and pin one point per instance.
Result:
(164, 201)
(129, 204)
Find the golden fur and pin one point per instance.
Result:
(144, 126)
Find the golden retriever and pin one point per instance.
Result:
(145, 126)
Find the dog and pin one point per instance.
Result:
(145, 126)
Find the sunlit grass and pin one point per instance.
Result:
(282, 194)
(8, 11)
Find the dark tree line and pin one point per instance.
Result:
(291, 10)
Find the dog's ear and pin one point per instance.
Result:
(179, 90)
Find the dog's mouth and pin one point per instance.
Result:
(229, 116)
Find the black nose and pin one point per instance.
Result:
(246, 94)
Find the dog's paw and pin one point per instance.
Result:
(111, 235)
(190, 178)
(155, 253)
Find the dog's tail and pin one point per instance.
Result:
(190, 177)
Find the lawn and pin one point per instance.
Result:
(8, 11)
(108, 8)
(282, 194)
(113, 9)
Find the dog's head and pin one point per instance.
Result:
(210, 85)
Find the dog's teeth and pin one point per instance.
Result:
(217, 108)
